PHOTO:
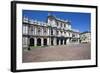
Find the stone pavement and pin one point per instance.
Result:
(58, 53)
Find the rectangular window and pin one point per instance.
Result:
(73, 35)
(25, 29)
(44, 30)
(57, 32)
(31, 30)
(64, 25)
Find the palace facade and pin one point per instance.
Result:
(85, 37)
(54, 31)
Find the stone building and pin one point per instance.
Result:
(54, 31)
(85, 37)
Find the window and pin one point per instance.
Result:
(38, 29)
(64, 32)
(44, 30)
(31, 30)
(73, 35)
(57, 32)
(25, 29)
(64, 25)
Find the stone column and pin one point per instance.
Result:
(59, 42)
(35, 29)
(47, 31)
(63, 41)
(48, 41)
(78, 41)
(27, 30)
(42, 42)
(28, 42)
(42, 29)
(54, 42)
(59, 33)
(67, 40)
(53, 31)
(35, 41)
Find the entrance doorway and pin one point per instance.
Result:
(45, 42)
(61, 41)
(31, 42)
(38, 42)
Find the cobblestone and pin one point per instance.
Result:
(58, 53)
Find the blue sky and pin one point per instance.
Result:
(80, 21)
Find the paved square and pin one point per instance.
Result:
(58, 53)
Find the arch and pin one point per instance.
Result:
(31, 42)
(45, 42)
(38, 42)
